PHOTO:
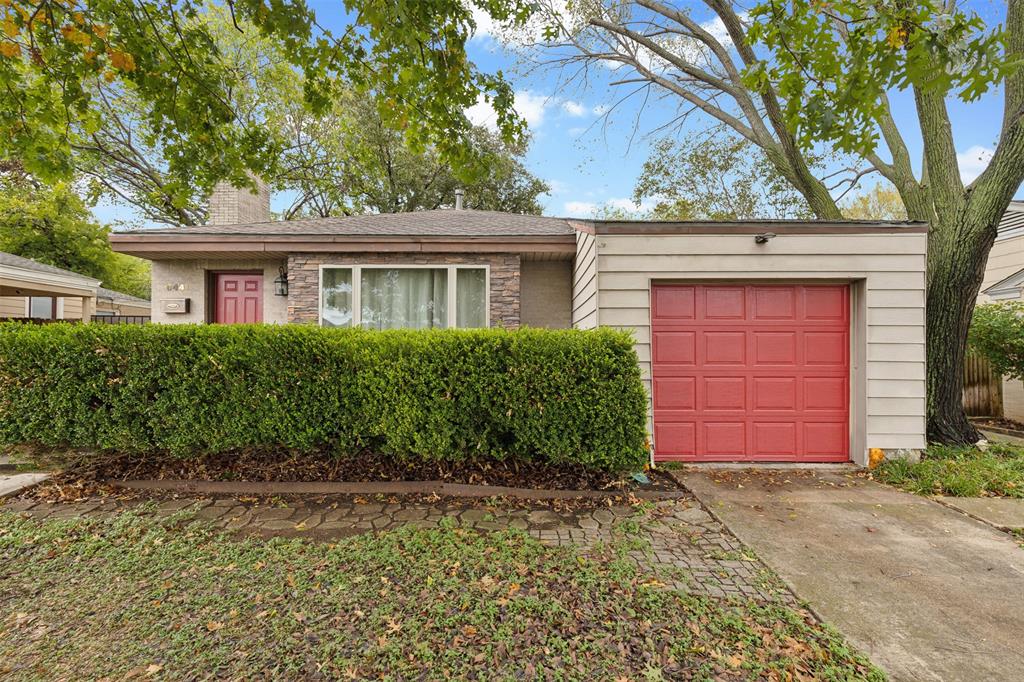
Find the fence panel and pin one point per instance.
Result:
(983, 389)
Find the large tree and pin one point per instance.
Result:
(344, 159)
(792, 76)
(410, 54)
(51, 224)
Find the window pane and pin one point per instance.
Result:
(471, 297)
(41, 307)
(337, 297)
(404, 298)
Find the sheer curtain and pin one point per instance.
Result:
(409, 298)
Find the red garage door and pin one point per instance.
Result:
(751, 372)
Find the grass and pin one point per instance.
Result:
(134, 596)
(962, 471)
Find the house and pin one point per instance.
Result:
(758, 341)
(1004, 281)
(29, 289)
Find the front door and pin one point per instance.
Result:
(239, 298)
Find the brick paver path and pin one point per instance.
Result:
(680, 543)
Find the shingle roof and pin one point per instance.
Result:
(438, 223)
(29, 264)
(119, 296)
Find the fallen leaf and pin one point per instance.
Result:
(214, 625)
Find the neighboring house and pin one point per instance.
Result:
(1004, 281)
(35, 290)
(759, 341)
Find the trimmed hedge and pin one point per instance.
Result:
(544, 395)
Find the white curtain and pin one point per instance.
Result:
(471, 298)
(404, 298)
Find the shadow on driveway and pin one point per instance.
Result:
(927, 592)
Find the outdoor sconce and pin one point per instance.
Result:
(281, 283)
(763, 237)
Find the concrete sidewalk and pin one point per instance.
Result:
(927, 592)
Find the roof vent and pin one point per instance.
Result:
(459, 193)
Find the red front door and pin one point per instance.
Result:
(751, 372)
(239, 298)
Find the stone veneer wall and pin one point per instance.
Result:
(304, 279)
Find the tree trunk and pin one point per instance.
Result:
(957, 255)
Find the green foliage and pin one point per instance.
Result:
(54, 226)
(997, 333)
(881, 202)
(349, 161)
(410, 53)
(133, 596)
(716, 177)
(833, 63)
(564, 397)
(960, 471)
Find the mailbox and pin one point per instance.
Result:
(173, 306)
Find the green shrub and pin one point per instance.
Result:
(997, 333)
(563, 397)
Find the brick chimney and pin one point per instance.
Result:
(233, 205)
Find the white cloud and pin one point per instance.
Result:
(973, 161)
(557, 187)
(486, 27)
(529, 105)
(580, 209)
(574, 108)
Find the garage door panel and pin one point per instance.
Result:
(772, 394)
(725, 303)
(774, 439)
(763, 373)
(674, 303)
(675, 393)
(775, 348)
(774, 303)
(677, 440)
(826, 348)
(826, 393)
(724, 393)
(675, 347)
(826, 438)
(825, 303)
(725, 438)
(724, 348)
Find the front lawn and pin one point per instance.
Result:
(960, 471)
(135, 596)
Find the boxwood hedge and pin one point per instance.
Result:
(555, 396)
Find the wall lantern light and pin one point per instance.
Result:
(281, 283)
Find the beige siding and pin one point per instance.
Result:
(69, 308)
(12, 306)
(1005, 259)
(168, 276)
(888, 390)
(546, 294)
(584, 282)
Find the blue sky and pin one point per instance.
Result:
(590, 157)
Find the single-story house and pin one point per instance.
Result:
(758, 341)
(30, 289)
(1004, 281)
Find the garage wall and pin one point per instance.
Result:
(889, 270)
(191, 274)
(584, 282)
(546, 293)
(1005, 259)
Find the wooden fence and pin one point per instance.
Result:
(983, 389)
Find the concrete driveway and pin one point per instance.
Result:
(927, 592)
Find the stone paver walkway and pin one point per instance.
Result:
(680, 543)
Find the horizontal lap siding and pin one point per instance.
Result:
(1006, 258)
(584, 283)
(891, 265)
